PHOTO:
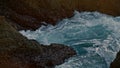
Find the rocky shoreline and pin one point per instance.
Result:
(31, 14)
(17, 51)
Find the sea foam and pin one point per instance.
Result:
(94, 36)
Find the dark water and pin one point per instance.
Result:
(94, 36)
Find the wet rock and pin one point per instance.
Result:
(16, 51)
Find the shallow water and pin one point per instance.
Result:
(94, 36)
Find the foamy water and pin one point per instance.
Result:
(94, 36)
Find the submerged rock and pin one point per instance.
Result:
(30, 14)
(16, 51)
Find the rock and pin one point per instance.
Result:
(116, 62)
(16, 51)
(30, 14)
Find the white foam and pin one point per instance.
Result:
(86, 27)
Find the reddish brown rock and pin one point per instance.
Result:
(30, 13)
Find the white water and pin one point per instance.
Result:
(94, 36)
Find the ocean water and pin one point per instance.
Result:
(94, 36)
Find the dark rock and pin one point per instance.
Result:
(16, 51)
(116, 62)
(30, 13)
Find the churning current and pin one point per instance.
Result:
(94, 36)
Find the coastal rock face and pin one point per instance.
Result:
(18, 52)
(30, 14)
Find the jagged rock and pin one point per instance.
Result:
(16, 51)
(30, 13)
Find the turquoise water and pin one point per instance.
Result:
(94, 36)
